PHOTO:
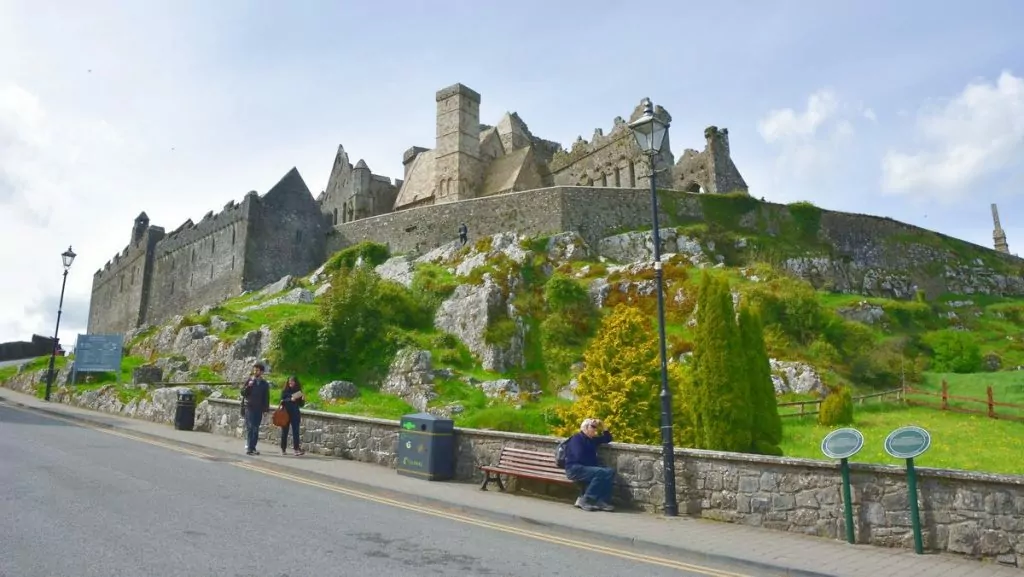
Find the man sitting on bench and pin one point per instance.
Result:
(583, 466)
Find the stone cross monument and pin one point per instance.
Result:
(998, 236)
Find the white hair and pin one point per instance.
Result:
(587, 422)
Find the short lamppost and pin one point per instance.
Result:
(650, 133)
(68, 257)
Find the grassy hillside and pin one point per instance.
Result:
(869, 344)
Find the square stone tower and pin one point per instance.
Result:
(458, 169)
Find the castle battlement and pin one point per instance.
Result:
(211, 223)
(620, 129)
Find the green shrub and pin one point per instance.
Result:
(399, 307)
(564, 294)
(837, 408)
(296, 347)
(953, 351)
(432, 284)
(372, 253)
(807, 218)
(791, 304)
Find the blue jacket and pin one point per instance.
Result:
(582, 450)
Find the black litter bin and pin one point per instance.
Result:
(185, 411)
(426, 447)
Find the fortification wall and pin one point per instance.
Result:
(855, 253)
(201, 263)
(286, 235)
(119, 289)
(535, 212)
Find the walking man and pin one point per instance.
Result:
(257, 403)
(463, 233)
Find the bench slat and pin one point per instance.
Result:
(527, 466)
(526, 461)
(563, 480)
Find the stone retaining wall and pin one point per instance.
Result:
(974, 514)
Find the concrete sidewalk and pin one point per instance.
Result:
(762, 550)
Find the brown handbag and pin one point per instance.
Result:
(280, 417)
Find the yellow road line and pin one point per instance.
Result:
(497, 526)
(620, 553)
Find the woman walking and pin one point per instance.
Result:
(292, 399)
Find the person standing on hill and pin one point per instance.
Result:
(257, 403)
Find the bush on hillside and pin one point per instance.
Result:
(432, 284)
(837, 408)
(296, 347)
(953, 351)
(621, 381)
(372, 253)
(791, 304)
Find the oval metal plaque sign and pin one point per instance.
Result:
(907, 442)
(842, 443)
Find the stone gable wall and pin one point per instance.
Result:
(974, 514)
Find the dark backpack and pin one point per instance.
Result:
(560, 452)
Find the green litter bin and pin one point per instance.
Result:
(426, 447)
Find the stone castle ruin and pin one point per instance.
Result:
(287, 232)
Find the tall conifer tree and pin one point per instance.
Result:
(766, 426)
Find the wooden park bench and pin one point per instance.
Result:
(535, 465)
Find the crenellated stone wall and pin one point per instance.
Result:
(974, 514)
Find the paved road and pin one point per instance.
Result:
(83, 502)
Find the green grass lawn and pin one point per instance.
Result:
(1007, 387)
(967, 442)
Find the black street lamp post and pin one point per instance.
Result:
(650, 133)
(68, 257)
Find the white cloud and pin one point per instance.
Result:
(974, 135)
(51, 182)
(807, 141)
(870, 115)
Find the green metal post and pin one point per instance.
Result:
(844, 465)
(915, 517)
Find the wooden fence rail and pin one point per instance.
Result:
(898, 394)
(944, 403)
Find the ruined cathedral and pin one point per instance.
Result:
(287, 231)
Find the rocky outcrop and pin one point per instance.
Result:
(862, 312)
(397, 269)
(335, 390)
(638, 246)
(796, 377)
(295, 296)
(189, 347)
(468, 313)
(411, 378)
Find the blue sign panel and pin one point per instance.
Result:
(98, 353)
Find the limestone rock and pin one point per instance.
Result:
(338, 390)
(397, 269)
(411, 378)
(281, 285)
(318, 275)
(322, 290)
(470, 310)
(568, 392)
(795, 377)
(219, 325)
(294, 297)
(567, 247)
(147, 374)
(442, 254)
(506, 243)
(863, 312)
(638, 246)
(503, 389)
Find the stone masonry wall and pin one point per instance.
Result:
(535, 212)
(118, 295)
(201, 263)
(973, 514)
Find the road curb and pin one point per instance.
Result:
(408, 497)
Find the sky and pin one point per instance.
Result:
(110, 108)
